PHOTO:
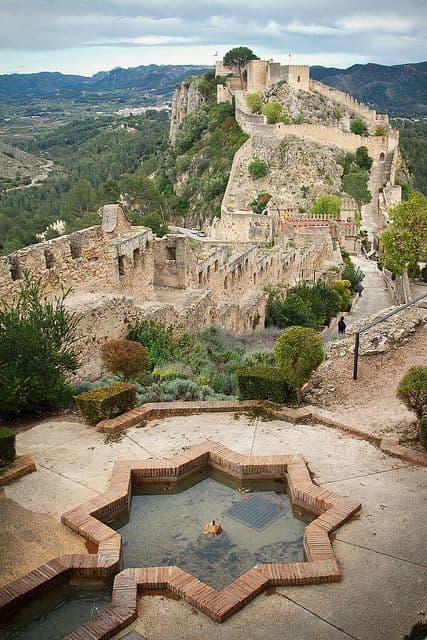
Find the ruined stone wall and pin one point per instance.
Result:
(85, 261)
(348, 101)
(336, 137)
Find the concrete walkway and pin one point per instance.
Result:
(381, 552)
(375, 296)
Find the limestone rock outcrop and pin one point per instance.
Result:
(187, 98)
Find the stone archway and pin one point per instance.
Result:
(382, 156)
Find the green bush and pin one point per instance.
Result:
(158, 339)
(263, 383)
(412, 390)
(326, 205)
(272, 111)
(254, 102)
(261, 201)
(258, 168)
(359, 127)
(353, 274)
(306, 305)
(106, 402)
(7, 445)
(423, 274)
(172, 371)
(37, 350)
(299, 351)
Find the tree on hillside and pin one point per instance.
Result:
(272, 111)
(82, 197)
(405, 241)
(355, 184)
(327, 206)
(359, 127)
(363, 159)
(238, 57)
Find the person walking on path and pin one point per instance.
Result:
(341, 326)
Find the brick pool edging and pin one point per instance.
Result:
(89, 521)
(21, 466)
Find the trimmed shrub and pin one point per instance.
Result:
(106, 402)
(258, 168)
(412, 390)
(7, 445)
(263, 383)
(125, 357)
(298, 353)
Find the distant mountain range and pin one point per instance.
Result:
(158, 79)
(400, 90)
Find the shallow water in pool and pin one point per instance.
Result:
(165, 527)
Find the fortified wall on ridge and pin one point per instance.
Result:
(118, 274)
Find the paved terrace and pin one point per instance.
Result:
(381, 551)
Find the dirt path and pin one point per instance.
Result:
(370, 403)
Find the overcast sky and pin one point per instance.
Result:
(85, 36)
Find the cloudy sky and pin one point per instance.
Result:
(85, 36)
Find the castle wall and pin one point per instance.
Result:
(333, 136)
(348, 101)
(85, 261)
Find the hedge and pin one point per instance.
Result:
(7, 445)
(263, 383)
(106, 402)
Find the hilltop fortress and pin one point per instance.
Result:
(119, 274)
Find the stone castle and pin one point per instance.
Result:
(119, 274)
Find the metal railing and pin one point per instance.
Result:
(373, 324)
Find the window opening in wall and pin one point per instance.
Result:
(136, 258)
(254, 278)
(76, 248)
(226, 282)
(171, 253)
(15, 269)
(382, 156)
(200, 278)
(121, 264)
(216, 265)
(208, 272)
(299, 79)
(49, 259)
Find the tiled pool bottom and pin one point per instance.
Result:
(57, 613)
(165, 527)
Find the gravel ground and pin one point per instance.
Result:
(370, 403)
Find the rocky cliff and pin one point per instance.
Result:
(186, 99)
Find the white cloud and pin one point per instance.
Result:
(386, 23)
